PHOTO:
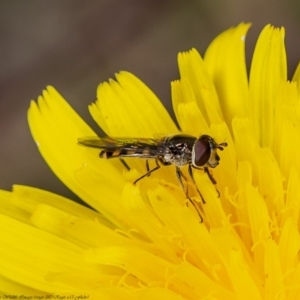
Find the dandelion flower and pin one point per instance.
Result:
(143, 241)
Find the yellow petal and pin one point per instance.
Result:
(31, 254)
(6, 208)
(274, 287)
(225, 61)
(128, 108)
(193, 69)
(237, 264)
(186, 110)
(287, 127)
(27, 199)
(244, 286)
(55, 126)
(270, 181)
(293, 286)
(268, 69)
(202, 284)
(258, 220)
(293, 193)
(149, 269)
(288, 246)
(296, 76)
(7, 287)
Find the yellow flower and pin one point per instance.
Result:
(143, 241)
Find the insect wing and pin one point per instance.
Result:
(101, 142)
(119, 143)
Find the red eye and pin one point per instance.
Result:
(202, 151)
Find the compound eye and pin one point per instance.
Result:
(202, 152)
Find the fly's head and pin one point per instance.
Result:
(204, 152)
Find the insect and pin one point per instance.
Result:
(178, 150)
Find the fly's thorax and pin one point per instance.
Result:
(178, 149)
(177, 160)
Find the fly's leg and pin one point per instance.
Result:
(206, 170)
(148, 171)
(180, 175)
(190, 170)
(147, 166)
(125, 164)
(211, 178)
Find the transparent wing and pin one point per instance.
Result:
(126, 147)
(116, 142)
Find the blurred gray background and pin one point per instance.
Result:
(75, 45)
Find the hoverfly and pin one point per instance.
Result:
(178, 150)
